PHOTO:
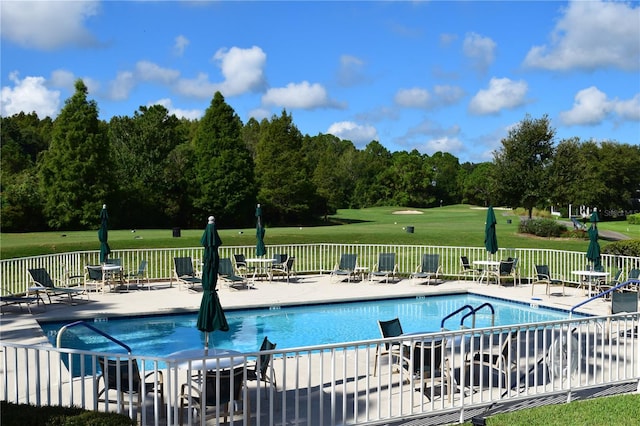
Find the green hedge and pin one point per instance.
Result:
(634, 219)
(542, 227)
(30, 415)
(623, 248)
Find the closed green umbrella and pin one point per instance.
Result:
(103, 234)
(593, 251)
(260, 249)
(490, 237)
(211, 315)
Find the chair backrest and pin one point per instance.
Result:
(625, 301)
(290, 261)
(94, 272)
(280, 258)
(634, 274)
(505, 267)
(348, 262)
(427, 357)
(542, 271)
(227, 390)
(464, 260)
(430, 262)
(265, 360)
(386, 262)
(184, 266)
(142, 267)
(390, 328)
(42, 277)
(240, 260)
(112, 369)
(114, 261)
(225, 268)
(616, 276)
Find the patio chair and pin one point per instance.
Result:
(114, 371)
(94, 279)
(285, 269)
(502, 356)
(390, 328)
(223, 387)
(425, 363)
(429, 268)
(138, 274)
(72, 278)
(603, 285)
(543, 276)
(41, 282)
(240, 263)
(346, 268)
(634, 274)
(505, 269)
(10, 300)
(229, 277)
(184, 273)
(263, 368)
(625, 302)
(385, 268)
(467, 269)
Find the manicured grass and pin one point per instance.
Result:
(612, 411)
(459, 225)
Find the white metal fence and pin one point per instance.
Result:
(335, 384)
(310, 258)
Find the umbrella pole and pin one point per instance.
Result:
(206, 343)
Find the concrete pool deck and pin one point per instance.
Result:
(17, 325)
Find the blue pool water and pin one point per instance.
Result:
(295, 326)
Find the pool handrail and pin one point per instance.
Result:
(90, 327)
(460, 309)
(475, 310)
(599, 295)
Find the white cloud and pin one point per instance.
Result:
(590, 35)
(502, 93)
(120, 88)
(199, 87)
(148, 71)
(358, 134)
(350, 71)
(480, 50)
(191, 114)
(592, 106)
(243, 70)
(29, 95)
(47, 25)
(444, 144)
(417, 97)
(303, 95)
(180, 45)
(63, 78)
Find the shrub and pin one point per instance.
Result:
(634, 219)
(542, 227)
(31, 415)
(623, 248)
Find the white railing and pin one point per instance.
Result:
(310, 258)
(335, 384)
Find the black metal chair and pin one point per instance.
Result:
(390, 328)
(263, 369)
(114, 371)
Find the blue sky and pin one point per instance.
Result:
(434, 76)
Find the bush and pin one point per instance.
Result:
(31, 415)
(542, 227)
(623, 248)
(634, 219)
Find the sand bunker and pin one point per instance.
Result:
(407, 212)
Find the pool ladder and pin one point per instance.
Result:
(472, 313)
(90, 327)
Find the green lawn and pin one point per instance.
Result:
(459, 225)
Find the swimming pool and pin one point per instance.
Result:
(295, 326)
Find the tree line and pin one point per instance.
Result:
(154, 170)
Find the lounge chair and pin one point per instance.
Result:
(263, 369)
(223, 387)
(114, 371)
(9, 300)
(229, 277)
(389, 328)
(41, 282)
(285, 269)
(543, 276)
(385, 268)
(185, 274)
(345, 269)
(429, 268)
